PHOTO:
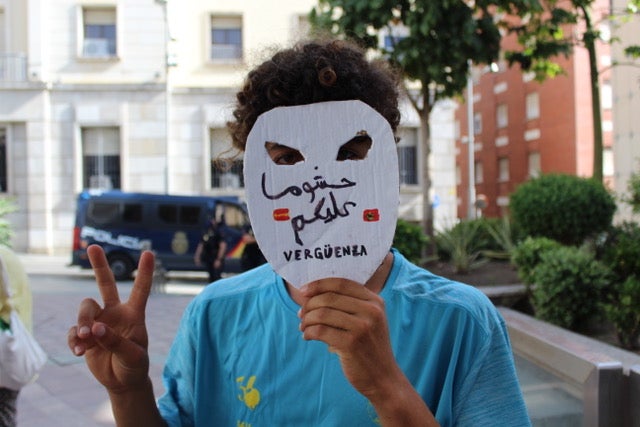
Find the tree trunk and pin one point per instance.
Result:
(590, 45)
(427, 208)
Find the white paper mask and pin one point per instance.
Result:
(321, 217)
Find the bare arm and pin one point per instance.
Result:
(196, 256)
(113, 338)
(351, 320)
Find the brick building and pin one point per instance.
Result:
(523, 128)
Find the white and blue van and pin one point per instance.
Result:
(125, 223)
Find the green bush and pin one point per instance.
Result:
(7, 206)
(503, 238)
(462, 245)
(569, 285)
(623, 310)
(621, 250)
(409, 240)
(526, 256)
(565, 208)
(634, 192)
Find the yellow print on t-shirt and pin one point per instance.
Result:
(250, 395)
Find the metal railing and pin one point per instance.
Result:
(13, 67)
(603, 381)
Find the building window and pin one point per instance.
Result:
(606, 95)
(477, 124)
(607, 162)
(407, 156)
(502, 116)
(458, 175)
(478, 172)
(226, 38)
(503, 169)
(534, 165)
(3, 160)
(533, 106)
(99, 32)
(101, 157)
(225, 173)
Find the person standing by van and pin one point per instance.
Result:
(211, 250)
(251, 255)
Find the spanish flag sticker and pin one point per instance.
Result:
(281, 214)
(370, 215)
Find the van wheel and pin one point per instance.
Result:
(121, 266)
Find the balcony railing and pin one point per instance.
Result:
(13, 67)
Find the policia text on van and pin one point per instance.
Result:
(126, 223)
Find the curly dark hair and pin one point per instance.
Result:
(310, 72)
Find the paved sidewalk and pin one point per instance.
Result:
(66, 394)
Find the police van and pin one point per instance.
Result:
(125, 224)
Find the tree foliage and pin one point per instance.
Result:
(432, 42)
(634, 192)
(435, 42)
(7, 206)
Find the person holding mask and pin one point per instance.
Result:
(401, 348)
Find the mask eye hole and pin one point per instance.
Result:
(356, 148)
(283, 155)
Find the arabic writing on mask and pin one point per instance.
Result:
(326, 207)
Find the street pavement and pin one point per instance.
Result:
(66, 394)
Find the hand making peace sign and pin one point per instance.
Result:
(113, 337)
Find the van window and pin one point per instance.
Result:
(190, 215)
(183, 215)
(168, 213)
(132, 213)
(103, 212)
(232, 215)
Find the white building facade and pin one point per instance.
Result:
(134, 95)
(626, 104)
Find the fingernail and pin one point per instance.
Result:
(304, 289)
(77, 350)
(84, 331)
(300, 313)
(100, 330)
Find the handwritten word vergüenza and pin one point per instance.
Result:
(326, 252)
(320, 212)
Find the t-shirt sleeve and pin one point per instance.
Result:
(176, 405)
(493, 395)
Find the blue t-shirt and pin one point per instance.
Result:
(239, 358)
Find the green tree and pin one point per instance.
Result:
(434, 43)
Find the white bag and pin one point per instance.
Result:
(21, 357)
